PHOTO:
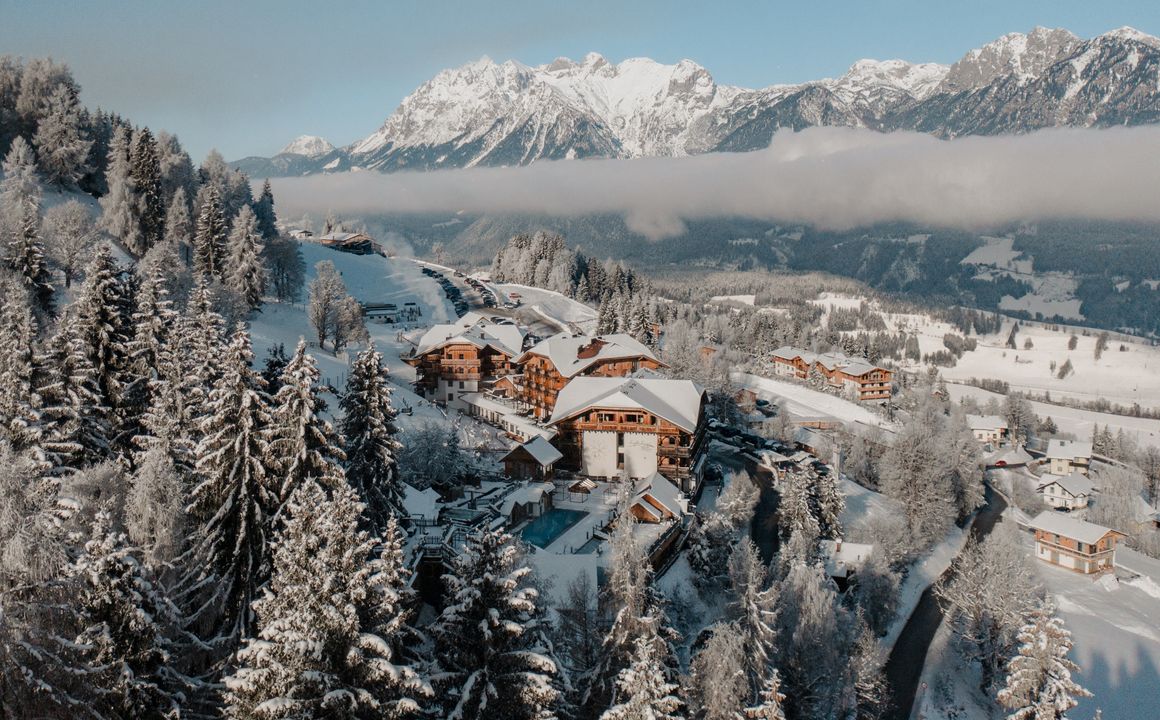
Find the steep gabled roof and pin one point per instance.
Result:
(1068, 449)
(678, 401)
(1075, 484)
(542, 451)
(1060, 524)
(571, 354)
(476, 330)
(986, 422)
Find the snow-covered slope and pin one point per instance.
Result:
(308, 145)
(489, 113)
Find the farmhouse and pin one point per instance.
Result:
(988, 428)
(1065, 456)
(548, 365)
(457, 359)
(635, 427)
(1069, 491)
(862, 380)
(1074, 544)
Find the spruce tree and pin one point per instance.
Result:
(60, 140)
(769, 706)
(1039, 683)
(753, 613)
(644, 691)
(209, 240)
(19, 415)
(493, 658)
(233, 504)
(264, 212)
(245, 273)
(123, 649)
(20, 224)
(304, 444)
(145, 169)
(368, 429)
(331, 622)
(178, 225)
(78, 424)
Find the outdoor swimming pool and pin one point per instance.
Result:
(544, 530)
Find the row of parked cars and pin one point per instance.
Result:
(454, 294)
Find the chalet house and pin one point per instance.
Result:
(865, 381)
(459, 358)
(527, 501)
(356, 243)
(550, 364)
(1065, 456)
(611, 427)
(533, 460)
(1074, 544)
(657, 499)
(844, 559)
(1070, 491)
(988, 428)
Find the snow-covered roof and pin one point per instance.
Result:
(524, 494)
(1011, 456)
(854, 367)
(1060, 524)
(572, 353)
(342, 236)
(858, 368)
(475, 329)
(841, 557)
(678, 401)
(1068, 449)
(421, 503)
(662, 491)
(788, 352)
(986, 422)
(1073, 484)
(542, 451)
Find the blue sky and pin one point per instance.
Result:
(248, 76)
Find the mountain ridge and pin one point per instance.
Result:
(488, 113)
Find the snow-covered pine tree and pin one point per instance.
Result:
(19, 416)
(1039, 679)
(264, 213)
(233, 505)
(636, 610)
(303, 444)
(200, 340)
(20, 223)
(753, 613)
(718, 685)
(330, 622)
(911, 473)
(61, 141)
(368, 429)
(794, 511)
(245, 273)
(145, 167)
(768, 706)
(77, 418)
(831, 503)
(119, 207)
(644, 691)
(123, 649)
(493, 659)
(178, 224)
(209, 240)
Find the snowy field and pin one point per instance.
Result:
(1073, 420)
(1116, 629)
(553, 305)
(802, 402)
(743, 299)
(1124, 377)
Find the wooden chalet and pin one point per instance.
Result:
(460, 358)
(634, 427)
(863, 380)
(533, 460)
(550, 364)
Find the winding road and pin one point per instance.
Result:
(904, 666)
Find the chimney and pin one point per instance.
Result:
(590, 350)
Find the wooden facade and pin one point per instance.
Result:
(866, 382)
(452, 370)
(677, 450)
(542, 381)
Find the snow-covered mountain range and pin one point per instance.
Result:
(488, 113)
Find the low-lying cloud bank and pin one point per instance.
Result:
(833, 178)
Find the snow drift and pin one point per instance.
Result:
(832, 178)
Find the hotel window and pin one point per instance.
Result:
(632, 418)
